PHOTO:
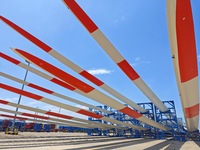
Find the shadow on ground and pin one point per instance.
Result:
(197, 142)
(113, 145)
(169, 144)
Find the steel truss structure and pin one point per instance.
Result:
(168, 118)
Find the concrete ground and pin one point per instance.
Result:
(80, 141)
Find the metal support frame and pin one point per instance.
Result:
(151, 115)
(115, 114)
(73, 129)
(96, 131)
(195, 135)
(169, 119)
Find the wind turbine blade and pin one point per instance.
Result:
(183, 49)
(114, 54)
(47, 77)
(72, 65)
(65, 106)
(47, 118)
(35, 120)
(32, 85)
(54, 80)
(88, 90)
(51, 113)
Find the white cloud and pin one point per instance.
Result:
(99, 71)
(139, 61)
(121, 18)
(13, 99)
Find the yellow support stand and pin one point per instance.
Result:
(11, 131)
(6, 132)
(15, 132)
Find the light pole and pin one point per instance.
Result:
(19, 100)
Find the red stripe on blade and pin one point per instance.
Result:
(81, 15)
(27, 35)
(128, 70)
(63, 84)
(40, 88)
(9, 58)
(186, 41)
(35, 116)
(192, 111)
(18, 91)
(131, 112)
(58, 115)
(91, 114)
(20, 118)
(3, 102)
(91, 78)
(58, 72)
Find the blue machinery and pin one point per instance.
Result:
(169, 119)
(21, 126)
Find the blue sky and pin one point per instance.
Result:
(138, 29)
